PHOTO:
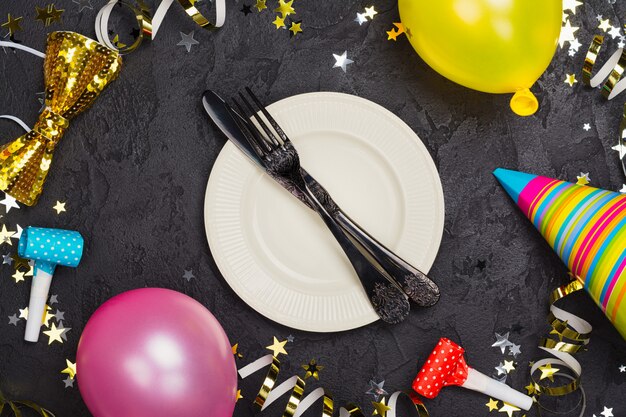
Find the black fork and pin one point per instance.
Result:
(282, 160)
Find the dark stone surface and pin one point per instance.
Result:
(134, 168)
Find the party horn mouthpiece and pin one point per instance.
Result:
(48, 248)
(446, 366)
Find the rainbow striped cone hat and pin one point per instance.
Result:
(585, 226)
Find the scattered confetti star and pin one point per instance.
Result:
(500, 369)
(342, 61)
(392, 35)
(502, 342)
(515, 349)
(380, 408)
(47, 316)
(607, 412)
(59, 315)
(621, 44)
(48, 14)
(187, 40)
(492, 404)
(567, 33)
(623, 190)
(54, 334)
(290, 338)
(277, 347)
(188, 275)
(6, 259)
(376, 389)
(604, 24)
(508, 409)
(17, 235)
(508, 366)
(116, 41)
(285, 9)
(260, 5)
(65, 330)
(69, 382)
(13, 24)
(583, 178)
(360, 18)
(54, 299)
(312, 369)
(530, 388)
(621, 149)
(586, 127)
(570, 79)
(18, 276)
(547, 371)
(83, 4)
(235, 349)
(9, 202)
(502, 379)
(24, 313)
(279, 22)
(239, 396)
(615, 32)
(13, 319)
(599, 17)
(621, 368)
(246, 10)
(571, 5)
(70, 370)
(574, 45)
(59, 207)
(295, 28)
(370, 12)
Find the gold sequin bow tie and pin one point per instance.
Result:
(76, 70)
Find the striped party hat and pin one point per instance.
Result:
(585, 226)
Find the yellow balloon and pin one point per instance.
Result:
(495, 46)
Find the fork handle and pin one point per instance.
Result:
(415, 284)
(389, 302)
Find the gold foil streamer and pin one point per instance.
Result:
(76, 70)
(15, 407)
(569, 335)
(611, 71)
(298, 403)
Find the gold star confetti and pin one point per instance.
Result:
(533, 388)
(279, 22)
(605, 24)
(570, 79)
(239, 396)
(508, 408)
(24, 313)
(547, 371)
(370, 12)
(60, 207)
(118, 45)
(380, 408)
(277, 347)
(260, 5)
(567, 33)
(70, 370)
(395, 32)
(235, 349)
(492, 404)
(47, 316)
(312, 370)
(571, 5)
(18, 276)
(285, 9)
(508, 366)
(13, 24)
(5, 235)
(48, 14)
(583, 178)
(295, 28)
(54, 334)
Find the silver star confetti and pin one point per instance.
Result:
(360, 18)
(607, 412)
(188, 275)
(586, 127)
(623, 190)
(69, 382)
(567, 33)
(13, 319)
(17, 235)
(615, 32)
(515, 350)
(83, 4)
(59, 315)
(53, 299)
(502, 342)
(9, 202)
(187, 40)
(342, 61)
(622, 368)
(500, 369)
(376, 389)
(290, 338)
(6, 259)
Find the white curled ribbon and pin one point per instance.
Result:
(30, 51)
(150, 25)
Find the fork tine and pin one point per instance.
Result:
(268, 116)
(270, 135)
(259, 145)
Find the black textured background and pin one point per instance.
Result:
(133, 170)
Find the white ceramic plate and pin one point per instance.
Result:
(278, 256)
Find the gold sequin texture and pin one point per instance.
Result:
(76, 71)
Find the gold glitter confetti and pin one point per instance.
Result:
(547, 371)
(48, 14)
(260, 5)
(70, 369)
(570, 79)
(295, 28)
(312, 369)
(54, 334)
(13, 24)
(279, 22)
(380, 408)
(492, 404)
(395, 32)
(277, 347)
(508, 409)
(59, 207)
(285, 9)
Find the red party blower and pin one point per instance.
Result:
(446, 366)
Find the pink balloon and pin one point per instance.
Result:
(154, 352)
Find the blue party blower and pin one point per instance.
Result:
(48, 248)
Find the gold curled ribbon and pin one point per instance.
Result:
(298, 403)
(14, 406)
(149, 23)
(570, 334)
(611, 71)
